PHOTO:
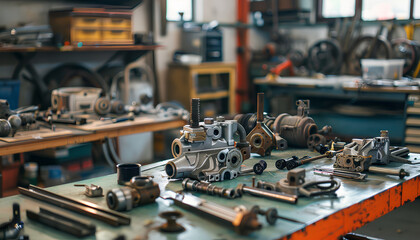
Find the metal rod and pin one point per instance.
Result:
(81, 202)
(97, 212)
(328, 154)
(62, 223)
(283, 197)
(260, 107)
(339, 173)
(397, 172)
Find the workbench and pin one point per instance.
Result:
(342, 101)
(356, 203)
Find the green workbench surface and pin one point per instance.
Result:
(145, 219)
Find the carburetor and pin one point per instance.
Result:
(140, 191)
(207, 150)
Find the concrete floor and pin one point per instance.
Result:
(402, 223)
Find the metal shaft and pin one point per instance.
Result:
(260, 107)
(195, 113)
(339, 173)
(397, 172)
(328, 154)
(83, 207)
(270, 194)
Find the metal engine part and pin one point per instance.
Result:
(73, 99)
(4, 109)
(295, 184)
(261, 138)
(377, 148)
(241, 220)
(207, 188)
(360, 154)
(140, 191)
(296, 129)
(207, 150)
(315, 140)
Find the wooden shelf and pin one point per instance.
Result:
(83, 136)
(82, 49)
(212, 95)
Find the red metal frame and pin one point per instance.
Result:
(242, 56)
(357, 215)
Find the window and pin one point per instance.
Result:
(416, 10)
(338, 9)
(174, 7)
(385, 9)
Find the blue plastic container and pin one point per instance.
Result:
(9, 89)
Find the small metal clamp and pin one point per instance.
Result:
(92, 190)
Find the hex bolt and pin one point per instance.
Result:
(195, 113)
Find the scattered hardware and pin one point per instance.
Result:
(296, 129)
(378, 148)
(258, 168)
(171, 225)
(360, 154)
(73, 226)
(92, 190)
(295, 162)
(12, 120)
(339, 173)
(140, 191)
(208, 188)
(295, 184)
(271, 215)
(359, 163)
(207, 150)
(242, 221)
(126, 171)
(281, 163)
(11, 229)
(277, 196)
(261, 138)
(82, 207)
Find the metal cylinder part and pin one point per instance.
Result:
(396, 172)
(15, 121)
(120, 199)
(295, 129)
(117, 107)
(102, 106)
(5, 128)
(126, 171)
